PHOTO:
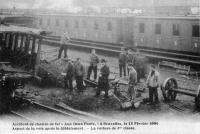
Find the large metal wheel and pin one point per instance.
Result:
(197, 98)
(167, 89)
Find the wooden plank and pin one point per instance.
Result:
(16, 42)
(22, 40)
(37, 63)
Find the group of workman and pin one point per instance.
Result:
(128, 62)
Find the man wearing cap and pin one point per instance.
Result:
(153, 80)
(69, 71)
(79, 72)
(63, 44)
(103, 83)
(122, 62)
(94, 60)
(132, 81)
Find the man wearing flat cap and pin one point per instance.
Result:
(153, 82)
(103, 83)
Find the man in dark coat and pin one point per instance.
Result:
(69, 70)
(94, 60)
(79, 72)
(103, 83)
(122, 62)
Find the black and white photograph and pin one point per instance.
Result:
(99, 66)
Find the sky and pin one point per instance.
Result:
(49, 4)
(64, 4)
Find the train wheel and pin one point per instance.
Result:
(167, 89)
(197, 99)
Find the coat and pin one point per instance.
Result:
(94, 60)
(132, 77)
(64, 39)
(122, 59)
(104, 74)
(79, 70)
(69, 70)
(130, 58)
(153, 80)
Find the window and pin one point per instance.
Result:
(109, 26)
(195, 31)
(57, 22)
(96, 26)
(157, 28)
(176, 31)
(40, 22)
(84, 24)
(141, 28)
(66, 23)
(76, 24)
(48, 22)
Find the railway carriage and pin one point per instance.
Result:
(107, 29)
(178, 34)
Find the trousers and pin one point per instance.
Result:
(90, 69)
(63, 47)
(153, 93)
(122, 68)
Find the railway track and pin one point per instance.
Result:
(61, 110)
(176, 108)
(115, 48)
(21, 116)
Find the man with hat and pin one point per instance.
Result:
(103, 83)
(94, 60)
(69, 71)
(79, 72)
(153, 80)
(63, 44)
(132, 81)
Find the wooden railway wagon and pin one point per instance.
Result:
(168, 33)
(109, 29)
(20, 47)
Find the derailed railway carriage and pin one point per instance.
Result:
(19, 60)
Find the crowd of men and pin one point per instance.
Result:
(132, 63)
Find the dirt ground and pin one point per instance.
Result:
(110, 107)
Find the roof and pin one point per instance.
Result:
(20, 29)
(187, 17)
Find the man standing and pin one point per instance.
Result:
(130, 58)
(63, 44)
(132, 81)
(79, 74)
(69, 75)
(153, 84)
(103, 83)
(122, 62)
(94, 60)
